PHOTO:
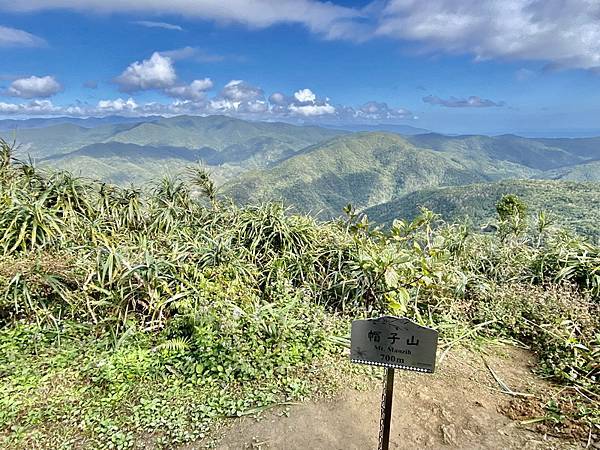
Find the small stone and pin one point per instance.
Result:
(449, 434)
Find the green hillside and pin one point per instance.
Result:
(59, 139)
(123, 164)
(574, 205)
(123, 153)
(538, 154)
(313, 168)
(588, 171)
(584, 147)
(364, 169)
(218, 132)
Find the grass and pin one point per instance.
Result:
(133, 318)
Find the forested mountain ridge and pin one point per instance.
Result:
(573, 205)
(367, 169)
(539, 154)
(99, 151)
(311, 168)
(363, 168)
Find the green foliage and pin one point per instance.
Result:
(567, 204)
(144, 150)
(365, 168)
(133, 316)
(512, 215)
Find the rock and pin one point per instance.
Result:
(449, 434)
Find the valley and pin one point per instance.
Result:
(320, 170)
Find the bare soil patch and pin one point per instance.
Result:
(460, 406)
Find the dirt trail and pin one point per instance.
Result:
(458, 407)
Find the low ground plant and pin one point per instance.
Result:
(132, 317)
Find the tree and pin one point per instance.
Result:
(512, 215)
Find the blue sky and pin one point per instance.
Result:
(452, 66)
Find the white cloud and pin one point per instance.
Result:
(564, 33)
(303, 103)
(312, 110)
(277, 98)
(13, 37)
(470, 102)
(118, 105)
(240, 91)
(154, 73)
(381, 111)
(254, 107)
(8, 108)
(237, 98)
(163, 25)
(324, 18)
(305, 95)
(34, 87)
(39, 108)
(195, 91)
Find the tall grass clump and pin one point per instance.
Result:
(171, 307)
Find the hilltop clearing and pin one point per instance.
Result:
(461, 406)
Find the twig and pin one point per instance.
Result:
(505, 389)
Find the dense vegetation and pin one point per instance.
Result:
(571, 205)
(139, 151)
(130, 317)
(370, 169)
(365, 168)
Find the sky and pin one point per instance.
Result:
(469, 66)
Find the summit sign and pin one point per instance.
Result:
(394, 342)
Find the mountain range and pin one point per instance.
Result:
(569, 204)
(320, 170)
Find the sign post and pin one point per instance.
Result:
(393, 343)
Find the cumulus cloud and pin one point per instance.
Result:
(305, 96)
(277, 98)
(195, 91)
(470, 102)
(238, 98)
(565, 33)
(39, 107)
(306, 104)
(312, 110)
(13, 37)
(157, 72)
(163, 25)
(118, 105)
(303, 102)
(34, 87)
(239, 91)
(381, 111)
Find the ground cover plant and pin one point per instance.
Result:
(132, 317)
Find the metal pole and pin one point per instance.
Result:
(386, 410)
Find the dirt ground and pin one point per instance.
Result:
(460, 406)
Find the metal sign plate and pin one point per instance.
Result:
(394, 342)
